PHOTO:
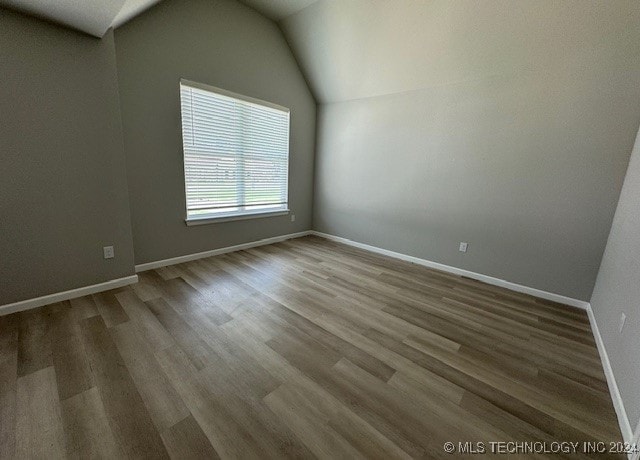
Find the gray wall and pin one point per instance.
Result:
(507, 125)
(618, 291)
(63, 188)
(220, 43)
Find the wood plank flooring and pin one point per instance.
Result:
(300, 349)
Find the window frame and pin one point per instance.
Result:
(242, 214)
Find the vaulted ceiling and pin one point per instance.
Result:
(350, 49)
(278, 9)
(130, 9)
(93, 17)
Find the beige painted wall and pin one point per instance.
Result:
(220, 43)
(504, 124)
(63, 188)
(617, 291)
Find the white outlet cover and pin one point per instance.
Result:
(293, 217)
(463, 247)
(108, 252)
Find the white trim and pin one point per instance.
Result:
(459, 271)
(623, 420)
(244, 215)
(232, 95)
(66, 295)
(215, 252)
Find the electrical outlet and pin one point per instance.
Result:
(108, 251)
(623, 318)
(293, 217)
(463, 247)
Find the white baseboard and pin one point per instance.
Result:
(215, 252)
(113, 284)
(625, 427)
(623, 420)
(461, 272)
(66, 295)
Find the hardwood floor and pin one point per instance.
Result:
(299, 349)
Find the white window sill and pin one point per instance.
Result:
(204, 220)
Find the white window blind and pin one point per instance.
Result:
(236, 153)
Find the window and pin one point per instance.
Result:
(236, 154)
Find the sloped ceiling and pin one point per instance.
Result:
(278, 9)
(93, 17)
(130, 9)
(352, 49)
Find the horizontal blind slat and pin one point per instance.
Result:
(236, 153)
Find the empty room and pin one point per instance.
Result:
(328, 229)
